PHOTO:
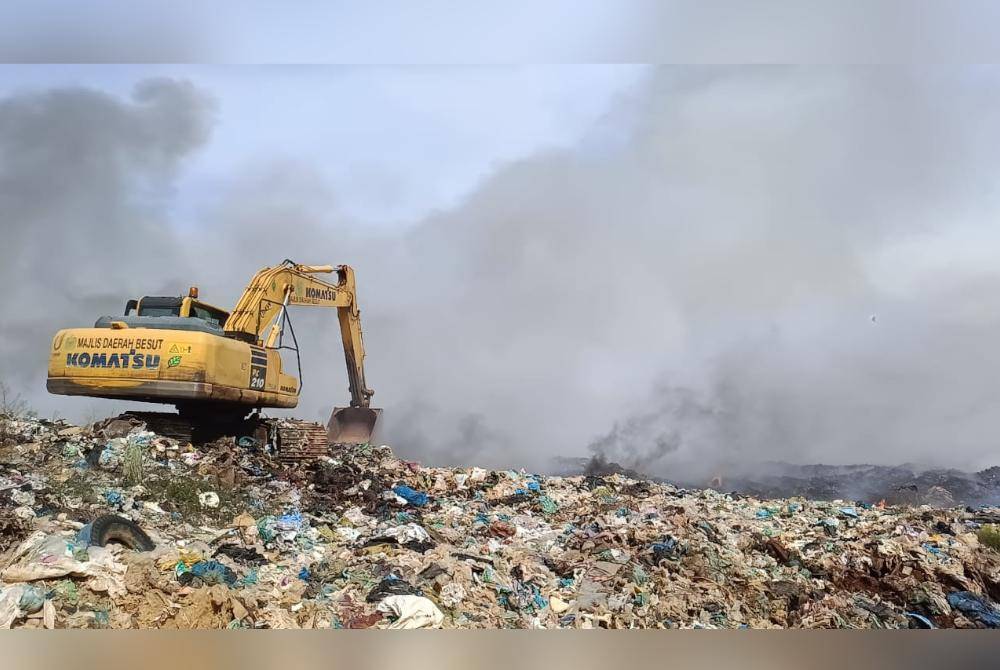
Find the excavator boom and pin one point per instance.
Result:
(259, 311)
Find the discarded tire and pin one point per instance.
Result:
(114, 528)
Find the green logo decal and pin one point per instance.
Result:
(174, 361)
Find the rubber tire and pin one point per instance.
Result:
(114, 528)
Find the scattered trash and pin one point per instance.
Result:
(409, 532)
(247, 555)
(66, 591)
(976, 607)
(548, 505)
(291, 521)
(829, 525)
(10, 600)
(209, 572)
(411, 612)
(32, 599)
(363, 539)
(452, 594)
(669, 549)
(113, 528)
(208, 499)
(392, 586)
(558, 605)
(411, 496)
(923, 621)
(83, 535)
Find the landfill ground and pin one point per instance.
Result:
(906, 484)
(111, 526)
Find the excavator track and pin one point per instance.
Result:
(300, 441)
(184, 429)
(293, 440)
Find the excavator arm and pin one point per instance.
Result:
(257, 315)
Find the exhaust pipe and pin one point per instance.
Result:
(352, 425)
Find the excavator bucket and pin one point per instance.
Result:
(353, 425)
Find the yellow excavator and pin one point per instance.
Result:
(218, 368)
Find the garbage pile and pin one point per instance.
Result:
(112, 526)
(906, 484)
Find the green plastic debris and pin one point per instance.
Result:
(66, 592)
(548, 505)
(102, 617)
(265, 528)
(80, 552)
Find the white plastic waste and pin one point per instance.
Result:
(47, 557)
(452, 594)
(409, 532)
(411, 612)
(209, 499)
(10, 597)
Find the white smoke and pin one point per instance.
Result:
(689, 288)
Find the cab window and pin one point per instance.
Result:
(216, 317)
(156, 306)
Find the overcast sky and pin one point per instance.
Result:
(394, 142)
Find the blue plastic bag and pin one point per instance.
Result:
(290, 521)
(973, 606)
(32, 599)
(211, 572)
(411, 496)
(83, 535)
